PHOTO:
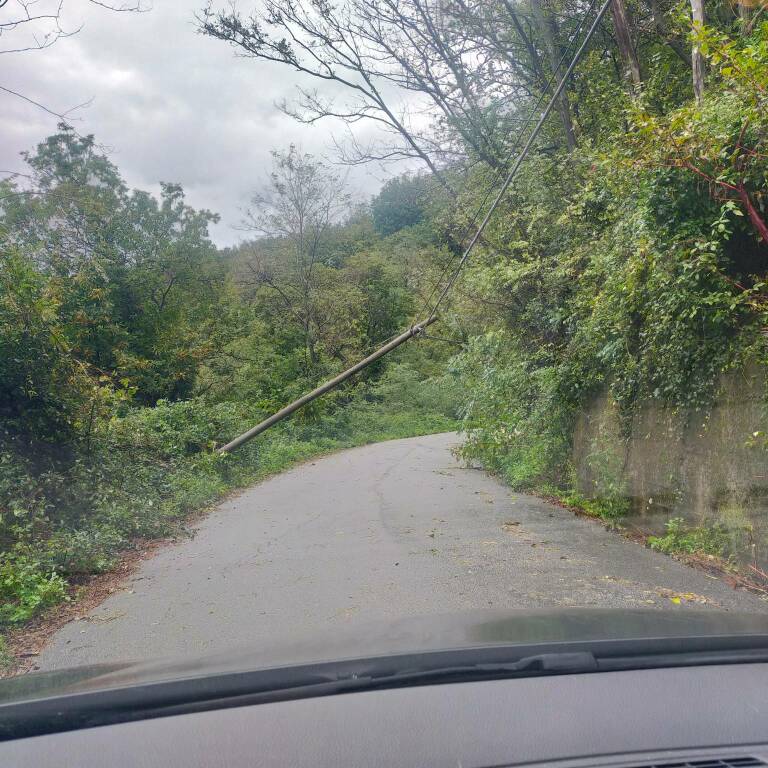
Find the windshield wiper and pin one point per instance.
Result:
(544, 663)
(559, 664)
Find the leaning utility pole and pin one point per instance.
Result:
(414, 330)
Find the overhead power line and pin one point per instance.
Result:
(418, 328)
(472, 221)
(521, 157)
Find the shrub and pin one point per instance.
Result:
(67, 514)
(25, 589)
(691, 540)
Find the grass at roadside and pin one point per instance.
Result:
(148, 471)
(706, 547)
(711, 546)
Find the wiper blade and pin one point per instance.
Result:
(79, 709)
(544, 663)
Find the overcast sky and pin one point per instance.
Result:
(170, 104)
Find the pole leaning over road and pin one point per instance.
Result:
(414, 330)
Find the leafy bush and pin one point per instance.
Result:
(63, 515)
(25, 589)
(514, 421)
(691, 540)
(611, 508)
(633, 267)
(6, 659)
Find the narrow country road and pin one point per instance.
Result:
(388, 530)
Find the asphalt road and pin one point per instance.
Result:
(389, 530)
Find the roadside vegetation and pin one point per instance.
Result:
(690, 540)
(131, 347)
(628, 264)
(632, 267)
(629, 259)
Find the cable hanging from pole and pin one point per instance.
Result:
(471, 222)
(521, 157)
(417, 329)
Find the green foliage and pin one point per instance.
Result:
(514, 420)
(153, 467)
(608, 496)
(6, 658)
(114, 286)
(633, 266)
(404, 388)
(681, 538)
(401, 203)
(609, 508)
(130, 348)
(42, 387)
(24, 589)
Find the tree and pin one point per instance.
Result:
(134, 277)
(44, 389)
(390, 56)
(32, 25)
(387, 299)
(401, 203)
(723, 143)
(547, 30)
(515, 63)
(662, 29)
(697, 58)
(622, 27)
(477, 66)
(333, 45)
(294, 214)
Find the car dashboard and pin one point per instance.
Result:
(681, 717)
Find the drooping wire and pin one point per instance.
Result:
(473, 220)
(521, 157)
(413, 331)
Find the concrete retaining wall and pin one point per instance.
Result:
(707, 468)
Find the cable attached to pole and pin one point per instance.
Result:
(414, 330)
(418, 328)
(471, 221)
(526, 149)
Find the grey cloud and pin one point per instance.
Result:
(170, 104)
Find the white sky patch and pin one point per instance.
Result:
(168, 104)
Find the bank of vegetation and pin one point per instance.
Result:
(628, 261)
(131, 347)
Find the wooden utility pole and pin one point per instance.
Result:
(416, 330)
(283, 413)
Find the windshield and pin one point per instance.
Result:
(315, 315)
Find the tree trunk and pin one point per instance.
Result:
(621, 25)
(697, 60)
(545, 25)
(536, 63)
(744, 14)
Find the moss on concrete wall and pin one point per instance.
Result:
(708, 468)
